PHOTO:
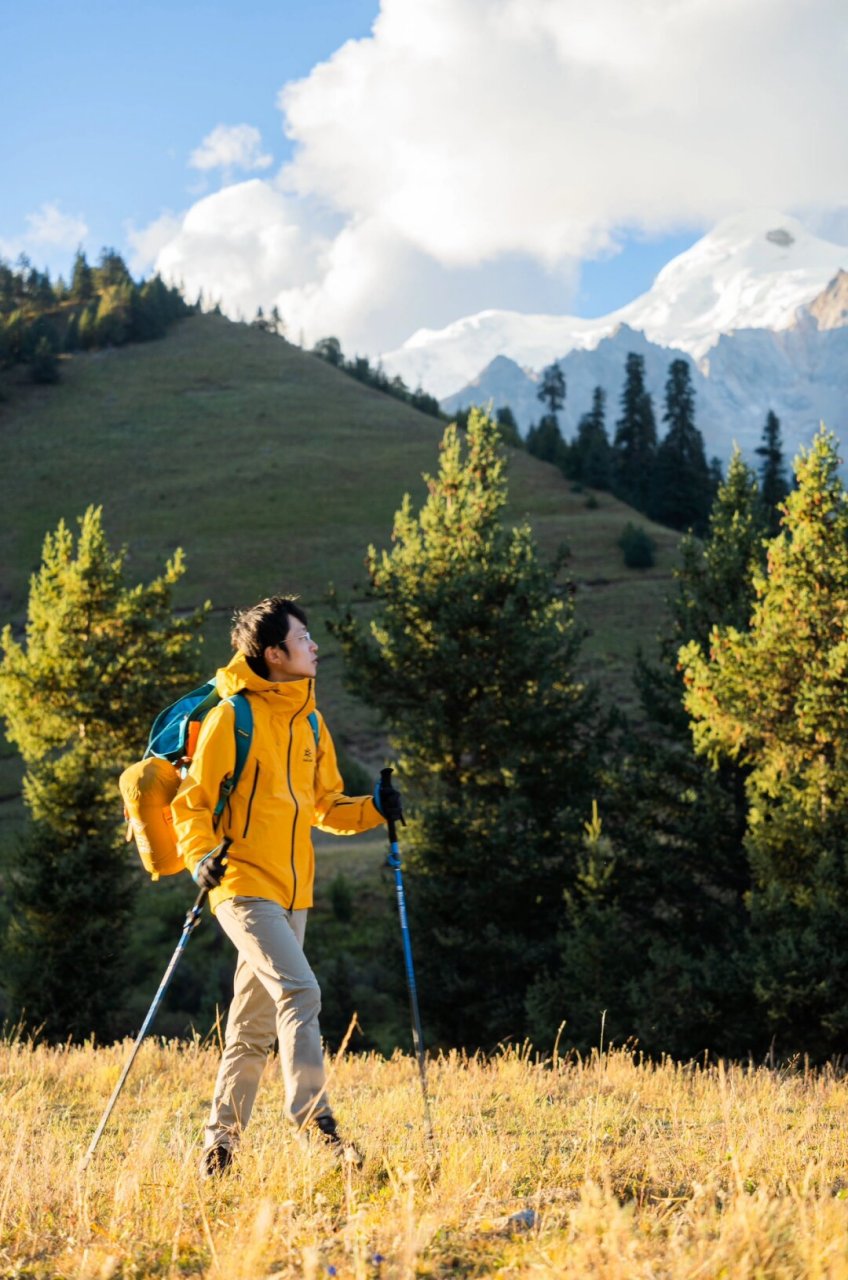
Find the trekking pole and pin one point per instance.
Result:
(192, 919)
(393, 861)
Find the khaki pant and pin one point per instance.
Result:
(275, 995)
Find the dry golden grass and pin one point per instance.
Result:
(608, 1167)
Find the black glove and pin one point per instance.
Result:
(387, 798)
(210, 871)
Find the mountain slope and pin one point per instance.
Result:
(830, 309)
(274, 471)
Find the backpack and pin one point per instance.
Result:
(149, 786)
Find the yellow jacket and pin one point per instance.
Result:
(287, 786)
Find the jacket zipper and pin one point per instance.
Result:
(291, 791)
(250, 801)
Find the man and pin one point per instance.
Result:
(261, 890)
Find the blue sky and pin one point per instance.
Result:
(459, 155)
(111, 98)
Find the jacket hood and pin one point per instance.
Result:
(237, 676)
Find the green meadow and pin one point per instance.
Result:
(274, 471)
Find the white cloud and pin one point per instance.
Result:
(250, 245)
(148, 242)
(241, 246)
(47, 228)
(48, 236)
(477, 127)
(50, 226)
(829, 224)
(463, 134)
(231, 147)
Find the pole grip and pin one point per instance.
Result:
(220, 858)
(385, 781)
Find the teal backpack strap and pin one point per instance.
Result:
(169, 733)
(316, 728)
(211, 700)
(244, 731)
(244, 734)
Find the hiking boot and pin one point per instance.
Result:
(215, 1161)
(324, 1128)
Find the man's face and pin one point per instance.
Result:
(301, 660)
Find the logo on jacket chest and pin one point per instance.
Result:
(308, 755)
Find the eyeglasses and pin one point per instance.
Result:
(304, 635)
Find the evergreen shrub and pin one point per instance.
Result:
(638, 548)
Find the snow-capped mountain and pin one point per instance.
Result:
(733, 303)
(800, 372)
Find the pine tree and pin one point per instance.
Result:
(113, 321)
(8, 288)
(656, 929)
(682, 487)
(44, 363)
(82, 279)
(635, 443)
(329, 349)
(87, 329)
(714, 587)
(716, 578)
(773, 483)
(552, 389)
(112, 271)
(148, 312)
(653, 933)
(99, 659)
(591, 457)
(38, 290)
(14, 336)
(773, 699)
(545, 442)
(71, 341)
(469, 659)
(773, 696)
(508, 427)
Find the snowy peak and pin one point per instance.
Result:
(443, 360)
(752, 271)
(761, 242)
(830, 309)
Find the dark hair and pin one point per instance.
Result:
(266, 623)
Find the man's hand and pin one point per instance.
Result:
(387, 798)
(210, 871)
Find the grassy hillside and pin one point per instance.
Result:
(273, 471)
(608, 1168)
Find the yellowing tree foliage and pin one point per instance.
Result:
(775, 697)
